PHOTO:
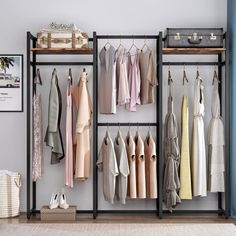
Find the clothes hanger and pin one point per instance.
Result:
(107, 131)
(170, 81)
(37, 78)
(198, 75)
(69, 81)
(145, 45)
(148, 134)
(185, 79)
(120, 45)
(107, 44)
(133, 45)
(215, 77)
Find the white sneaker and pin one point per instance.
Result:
(63, 201)
(54, 203)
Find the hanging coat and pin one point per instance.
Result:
(171, 182)
(148, 77)
(140, 166)
(107, 90)
(82, 136)
(53, 134)
(37, 138)
(216, 144)
(150, 166)
(185, 191)
(107, 164)
(130, 149)
(198, 143)
(69, 176)
(123, 94)
(123, 167)
(134, 81)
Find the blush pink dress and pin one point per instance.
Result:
(134, 81)
(69, 141)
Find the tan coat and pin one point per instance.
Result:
(148, 77)
(150, 166)
(140, 167)
(82, 135)
(130, 149)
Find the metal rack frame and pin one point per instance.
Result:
(219, 63)
(32, 62)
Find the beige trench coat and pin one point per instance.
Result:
(82, 136)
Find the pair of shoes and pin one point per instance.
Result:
(58, 200)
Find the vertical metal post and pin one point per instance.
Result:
(34, 90)
(159, 121)
(228, 96)
(28, 128)
(95, 128)
(221, 110)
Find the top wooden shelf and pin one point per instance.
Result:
(193, 50)
(86, 51)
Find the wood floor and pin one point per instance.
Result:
(131, 219)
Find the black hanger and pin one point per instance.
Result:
(185, 79)
(107, 43)
(170, 80)
(215, 77)
(198, 75)
(37, 78)
(69, 81)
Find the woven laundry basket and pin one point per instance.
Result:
(10, 184)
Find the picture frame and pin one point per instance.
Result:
(11, 82)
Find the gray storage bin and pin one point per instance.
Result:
(194, 38)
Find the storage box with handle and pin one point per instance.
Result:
(10, 184)
(62, 36)
(194, 38)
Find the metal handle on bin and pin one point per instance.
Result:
(195, 39)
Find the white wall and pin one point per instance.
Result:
(106, 17)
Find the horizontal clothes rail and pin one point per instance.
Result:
(62, 63)
(127, 124)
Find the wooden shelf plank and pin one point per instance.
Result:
(62, 50)
(193, 50)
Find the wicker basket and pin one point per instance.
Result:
(9, 194)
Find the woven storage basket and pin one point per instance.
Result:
(9, 194)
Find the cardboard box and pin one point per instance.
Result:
(58, 214)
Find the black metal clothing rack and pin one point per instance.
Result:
(32, 62)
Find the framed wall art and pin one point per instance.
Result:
(11, 82)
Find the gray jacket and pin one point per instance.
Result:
(53, 137)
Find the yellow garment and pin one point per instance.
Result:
(185, 174)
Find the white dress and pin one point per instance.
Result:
(198, 142)
(216, 144)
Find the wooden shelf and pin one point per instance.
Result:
(86, 51)
(193, 50)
